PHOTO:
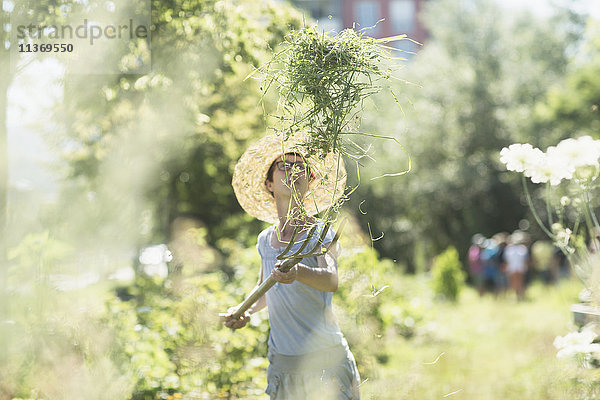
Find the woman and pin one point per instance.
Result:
(308, 354)
(517, 262)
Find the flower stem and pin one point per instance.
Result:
(576, 224)
(589, 216)
(548, 209)
(535, 215)
(591, 210)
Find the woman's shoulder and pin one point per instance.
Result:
(264, 235)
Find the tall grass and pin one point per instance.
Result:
(485, 349)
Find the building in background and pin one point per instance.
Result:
(327, 13)
(396, 17)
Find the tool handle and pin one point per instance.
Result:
(258, 292)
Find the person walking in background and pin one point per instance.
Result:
(502, 279)
(561, 263)
(474, 259)
(491, 266)
(517, 262)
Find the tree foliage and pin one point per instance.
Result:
(571, 107)
(474, 88)
(152, 147)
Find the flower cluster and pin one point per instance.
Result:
(579, 345)
(575, 160)
(571, 158)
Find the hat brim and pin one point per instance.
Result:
(251, 170)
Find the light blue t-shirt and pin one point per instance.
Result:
(301, 317)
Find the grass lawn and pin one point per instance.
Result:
(486, 349)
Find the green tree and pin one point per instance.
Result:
(143, 149)
(42, 12)
(571, 107)
(475, 83)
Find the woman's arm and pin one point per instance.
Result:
(324, 277)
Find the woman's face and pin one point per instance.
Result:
(290, 176)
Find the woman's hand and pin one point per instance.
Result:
(232, 323)
(285, 277)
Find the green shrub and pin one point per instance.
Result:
(447, 276)
(374, 300)
(52, 342)
(146, 340)
(169, 338)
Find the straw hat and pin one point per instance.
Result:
(251, 172)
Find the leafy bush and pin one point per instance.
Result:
(150, 339)
(52, 344)
(169, 335)
(447, 276)
(176, 345)
(160, 338)
(373, 301)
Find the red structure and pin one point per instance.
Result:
(399, 17)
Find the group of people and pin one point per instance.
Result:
(505, 261)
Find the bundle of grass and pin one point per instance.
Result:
(323, 80)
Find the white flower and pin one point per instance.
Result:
(518, 157)
(557, 163)
(585, 337)
(549, 168)
(570, 351)
(592, 349)
(562, 236)
(575, 343)
(579, 152)
(559, 158)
